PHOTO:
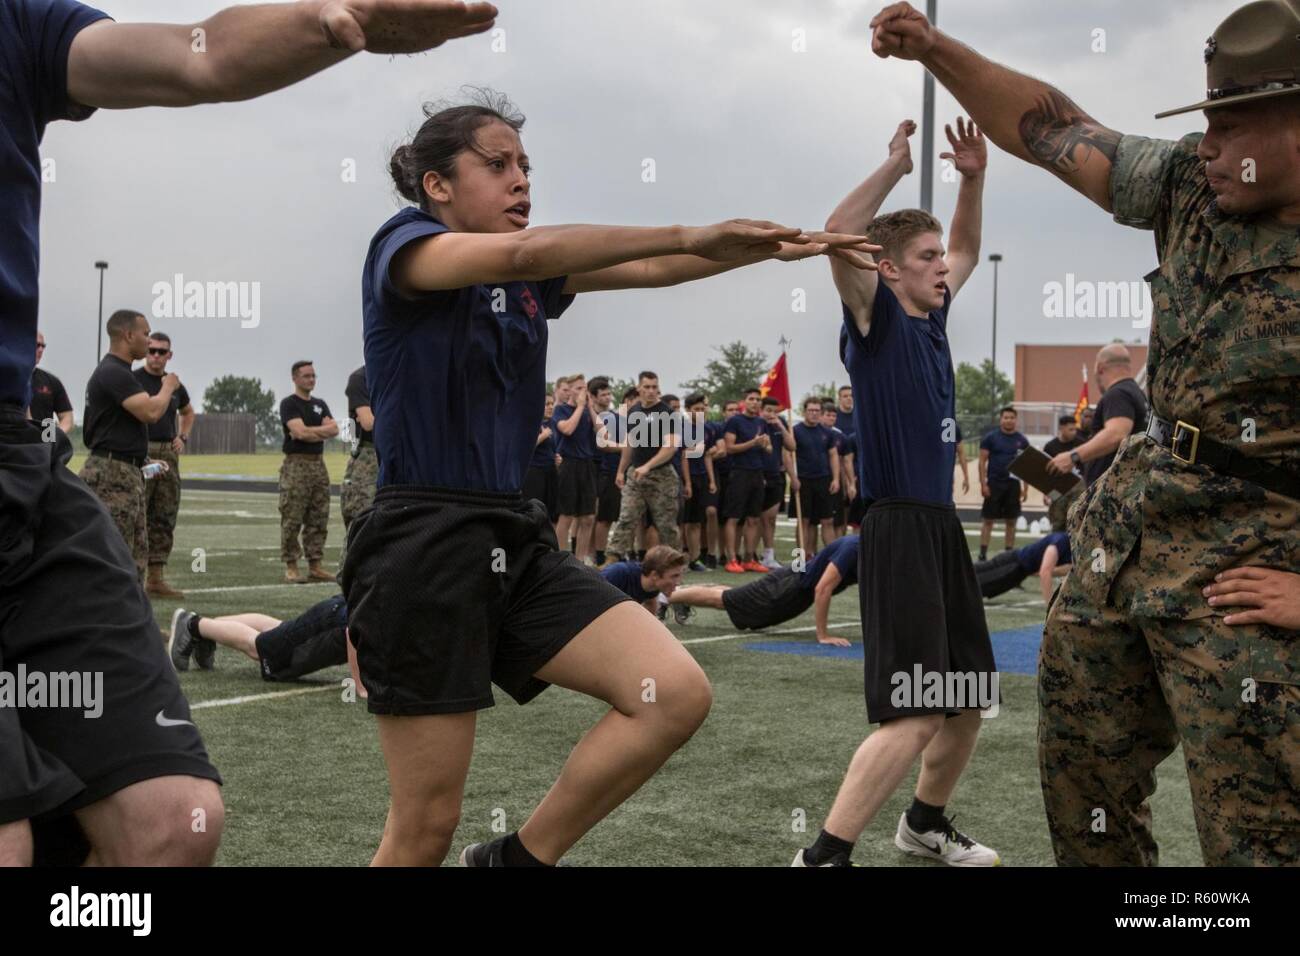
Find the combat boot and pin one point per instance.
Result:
(155, 586)
(291, 575)
(316, 573)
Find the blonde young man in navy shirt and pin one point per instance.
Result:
(921, 606)
(455, 582)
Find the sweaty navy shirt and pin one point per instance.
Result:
(544, 451)
(1030, 557)
(902, 394)
(35, 36)
(626, 576)
(1002, 449)
(457, 389)
(774, 460)
(843, 553)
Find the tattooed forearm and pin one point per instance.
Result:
(1061, 136)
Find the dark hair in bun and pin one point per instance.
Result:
(447, 131)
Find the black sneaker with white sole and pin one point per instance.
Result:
(179, 643)
(483, 854)
(683, 613)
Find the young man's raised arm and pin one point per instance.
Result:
(970, 157)
(245, 51)
(857, 287)
(1024, 116)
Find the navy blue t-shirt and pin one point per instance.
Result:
(902, 394)
(843, 553)
(581, 445)
(703, 435)
(35, 36)
(1002, 449)
(1030, 557)
(721, 466)
(615, 433)
(544, 451)
(457, 388)
(745, 429)
(626, 576)
(813, 444)
(844, 422)
(774, 460)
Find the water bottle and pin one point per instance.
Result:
(152, 470)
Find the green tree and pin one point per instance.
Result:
(737, 367)
(981, 391)
(819, 390)
(239, 395)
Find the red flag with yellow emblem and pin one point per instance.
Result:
(777, 383)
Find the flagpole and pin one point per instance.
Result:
(794, 459)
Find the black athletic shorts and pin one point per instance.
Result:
(696, 508)
(543, 483)
(921, 609)
(773, 489)
(312, 641)
(857, 508)
(71, 604)
(451, 591)
(577, 492)
(609, 498)
(839, 506)
(773, 599)
(744, 494)
(999, 574)
(1003, 500)
(815, 498)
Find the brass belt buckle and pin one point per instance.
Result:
(1179, 429)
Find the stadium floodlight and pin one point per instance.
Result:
(101, 265)
(995, 258)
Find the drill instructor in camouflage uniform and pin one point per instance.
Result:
(118, 411)
(1135, 658)
(645, 472)
(304, 480)
(167, 438)
(362, 475)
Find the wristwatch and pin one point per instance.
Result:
(185, 439)
(1074, 457)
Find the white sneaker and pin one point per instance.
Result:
(772, 564)
(833, 861)
(948, 845)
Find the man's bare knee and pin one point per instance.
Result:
(163, 825)
(16, 844)
(682, 701)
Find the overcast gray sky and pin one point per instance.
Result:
(737, 122)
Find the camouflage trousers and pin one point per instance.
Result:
(358, 491)
(1117, 693)
(656, 493)
(120, 486)
(304, 506)
(162, 498)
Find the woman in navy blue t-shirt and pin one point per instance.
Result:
(453, 579)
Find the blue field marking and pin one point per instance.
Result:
(1015, 651)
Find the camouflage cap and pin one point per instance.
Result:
(1254, 54)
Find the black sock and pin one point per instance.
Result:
(514, 853)
(824, 848)
(922, 816)
(600, 557)
(984, 553)
(573, 545)
(192, 625)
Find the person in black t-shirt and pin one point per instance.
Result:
(574, 426)
(167, 438)
(540, 479)
(1066, 440)
(645, 472)
(1002, 491)
(304, 480)
(362, 474)
(118, 413)
(49, 397)
(1121, 412)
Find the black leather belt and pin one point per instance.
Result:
(137, 460)
(1187, 445)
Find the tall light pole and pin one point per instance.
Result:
(995, 258)
(927, 124)
(101, 265)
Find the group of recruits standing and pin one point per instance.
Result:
(454, 581)
(617, 481)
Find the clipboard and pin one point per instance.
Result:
(1031, 466)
